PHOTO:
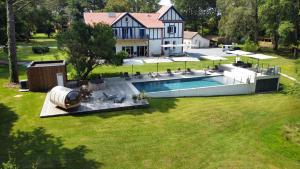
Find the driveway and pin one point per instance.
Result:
(207, 52)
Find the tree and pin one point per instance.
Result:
(11, 36)
(269, 13)
(197, 13)
(281, 19)
(11, 42)
(86, 45)
(117, 6)
(239, 19)
(147, 6)
(3, 39)
(289, 27)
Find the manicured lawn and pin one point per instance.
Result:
(253, 131)
(24, 50)
(211, 132)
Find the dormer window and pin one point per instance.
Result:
(171, 29)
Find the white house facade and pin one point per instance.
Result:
(143, 34)
(194, 40)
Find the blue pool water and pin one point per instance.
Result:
(177, 84)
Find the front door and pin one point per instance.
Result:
(60, 79)
(142, 51)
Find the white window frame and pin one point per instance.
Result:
(172, 29)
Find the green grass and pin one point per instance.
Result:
(209, 132)
(24, 50)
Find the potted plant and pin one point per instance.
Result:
(142, 96)
(135, 98)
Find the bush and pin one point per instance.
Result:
(293, 90)
(10, 164)
(40, 49)
(118, 60)
(250, 46)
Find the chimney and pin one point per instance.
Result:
(111, 14)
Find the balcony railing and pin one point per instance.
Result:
(132, 37)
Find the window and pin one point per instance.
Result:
(174, 43)
(126, 19)
(142, 33)
(171, 29)
(129, 50)
(116, 32)
(142, 51)
(127, 33)
(166, 43)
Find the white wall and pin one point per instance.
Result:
(154, 47)
(197, 42)
(179, 28)
(201, 42)
(188, 42)
(171, 15)
(173, 50)
(131, 22)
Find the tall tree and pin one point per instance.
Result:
(197, 12)
(239, 19)
(117, 6)
(86, 45)
(269, 13)
(3, 37)
(11, 36)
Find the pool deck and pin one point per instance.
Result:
(118, 86)
(179, 75)
(97, 103)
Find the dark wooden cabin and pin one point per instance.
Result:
(44, 75)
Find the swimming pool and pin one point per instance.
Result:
(178, 84)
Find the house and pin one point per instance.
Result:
(194, 40)
(143, 34)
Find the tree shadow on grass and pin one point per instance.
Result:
(37, 148)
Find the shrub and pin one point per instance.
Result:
(293, 90)
(10, 164)
(118, 60)
(40, 49)
(250, 46)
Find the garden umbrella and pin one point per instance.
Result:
(132, 62)
(185, 60)
(260, 57)
(157, 61)
(214, 58)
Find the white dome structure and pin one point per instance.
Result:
(64, 97)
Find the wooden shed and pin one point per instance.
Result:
(43, 76)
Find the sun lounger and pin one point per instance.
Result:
(138, 75)
(120, 99)
(189, 71)
(169, 72)
(178, 70)
(150, 74)
(109, 97)
(126, 76)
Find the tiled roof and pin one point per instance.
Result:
(189, 35)
(149, 20)
(100, 17)
(163, 10)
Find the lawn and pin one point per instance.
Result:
(211, 132)
(252, 131)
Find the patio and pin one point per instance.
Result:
(97, 102)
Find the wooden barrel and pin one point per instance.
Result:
(64, 97)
